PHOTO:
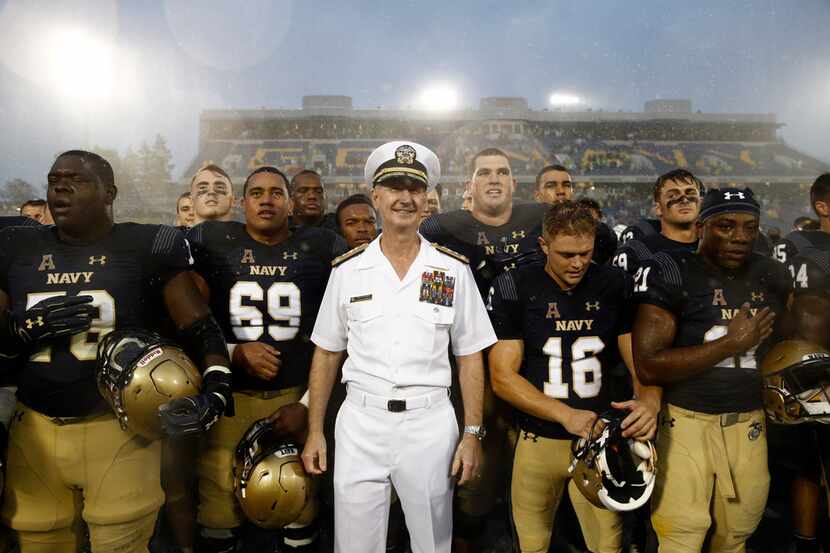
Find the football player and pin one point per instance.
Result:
(433, 205)
(211, 191)
(494, 228)
(357, 220)
(62, 288)
(265, 284)
(560, 324)
(309, 198)
(700, 318)
(677, 196)
(34, 209)
(605, 241)
(553, 184)
(806, 253)
(185, 215)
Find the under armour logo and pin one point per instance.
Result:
(757, 296)
(30, 324)
(290, 255)
(101, 260)
(518, 234)
(730, 195)
(591, 306)
(668, 421)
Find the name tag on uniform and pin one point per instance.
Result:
(437, 288)
(355, 299)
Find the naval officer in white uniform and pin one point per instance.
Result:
(396, 306)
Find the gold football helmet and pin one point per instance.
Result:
(270, 481)
(796, 377)
(613, 472)
(137, 372)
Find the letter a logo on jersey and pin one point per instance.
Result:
(717, 297)
(248, 256)
(730, 195)
(553, 311)
(46, 263)
(482, 239)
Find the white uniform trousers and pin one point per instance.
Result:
(413, 449)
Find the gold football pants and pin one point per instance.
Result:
(712, 480)
(217, 503)
(540, 474)
(58, 473)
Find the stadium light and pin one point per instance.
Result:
(439, 97)
(79, 64)
(564, 100)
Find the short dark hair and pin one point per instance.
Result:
(34, 203)
(820, 191)
(681, 175)
(213, 168)
(546, 168)
(806, 223)
(264, 169)
(590, 203)
(570, 218)
(354, 199)
(292, 185)
(182, 196)
(101, 168)
(487, 152)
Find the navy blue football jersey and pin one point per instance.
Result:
(463, 233)
(640, 229)
(630, 255)
(797, 241)
(124, 272)
(268, 294)
(704, 299)
(570, 337)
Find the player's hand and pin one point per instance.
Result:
(314, 453)
(191, 414)
(291, 420)
(746, 331)
(579, 422)
(466, 464)
(54, 317)
(259, 360)
(641, 422)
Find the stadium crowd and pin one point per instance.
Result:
(237, 286)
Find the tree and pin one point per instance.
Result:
(17, 191)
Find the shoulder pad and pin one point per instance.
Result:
(451, 253)
(348, 255)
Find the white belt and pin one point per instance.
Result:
(396, 405)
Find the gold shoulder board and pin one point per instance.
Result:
(451, 253)
(348, 255)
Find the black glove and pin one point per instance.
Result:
(51, 318)
(195, 414)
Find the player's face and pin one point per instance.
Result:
(467, 201)
(185, 214)
(76, 195)
(212, 196)
(399, 202)
(308, 196)
(266, 203)
(358, 225)
(727, 239)
(493, 185)
(568, 257)
(433, 204)
(679, 202)
(554, 186)
(33, 212)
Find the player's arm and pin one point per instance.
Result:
(641, 422)
(505, 361)
(658, 363)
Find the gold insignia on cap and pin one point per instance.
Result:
(405, 155)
